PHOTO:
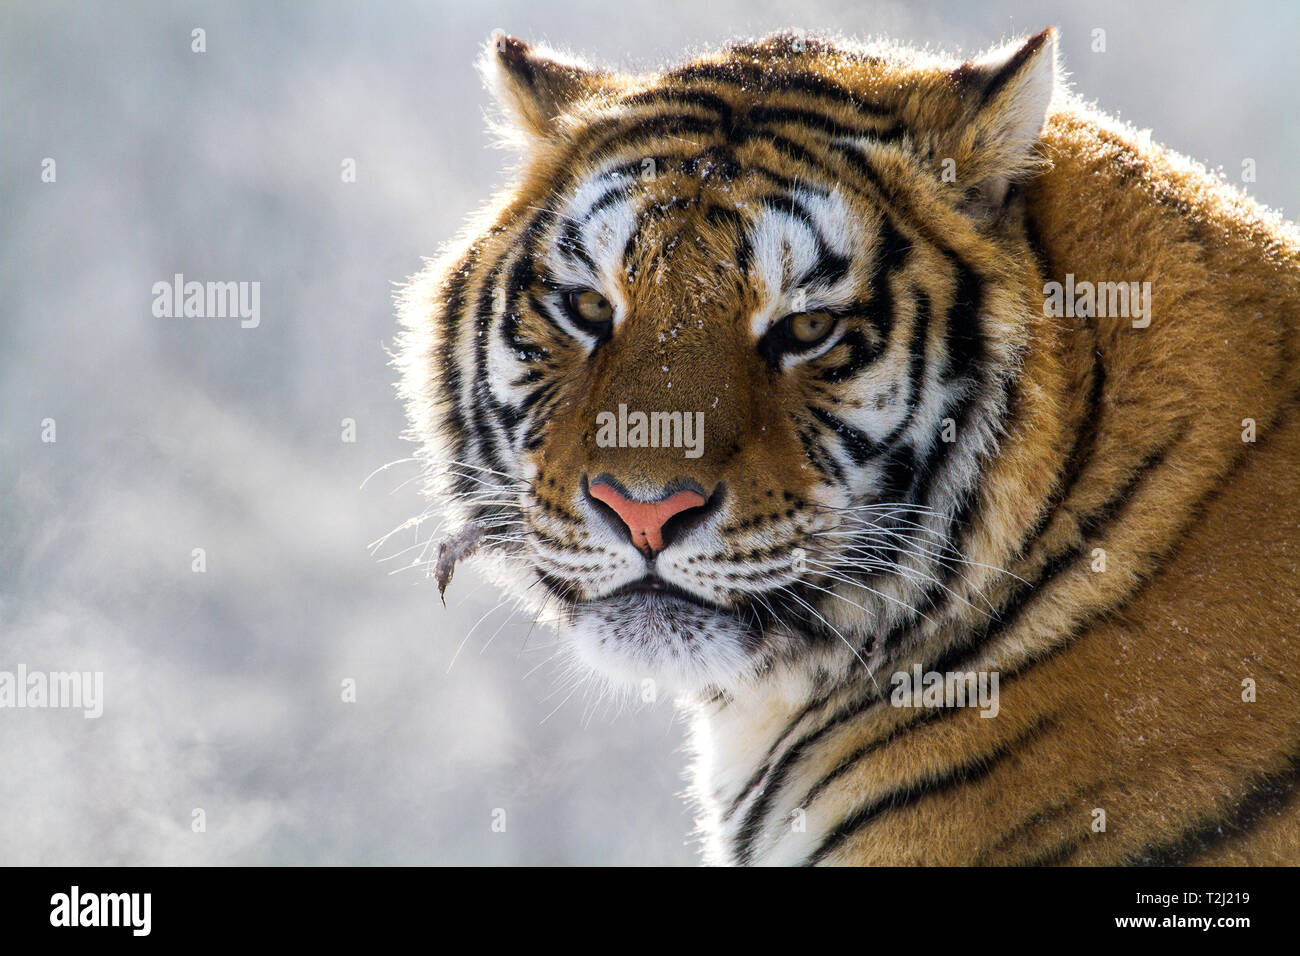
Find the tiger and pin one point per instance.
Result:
(987, 554)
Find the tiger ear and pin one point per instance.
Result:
(535, 85)
(1004, 97)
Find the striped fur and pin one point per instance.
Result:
(954, 479)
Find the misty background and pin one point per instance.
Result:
(223, 688)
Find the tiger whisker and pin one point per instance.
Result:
(391, 464)
(822, 618)
(471, 631)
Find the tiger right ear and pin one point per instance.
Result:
(1002, 100)
(534, 85)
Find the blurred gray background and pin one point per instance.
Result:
(223, 688)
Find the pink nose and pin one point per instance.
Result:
(646, 519)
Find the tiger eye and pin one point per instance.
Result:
(809, 327)
(591, 306)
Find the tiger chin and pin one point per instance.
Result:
(995, 392)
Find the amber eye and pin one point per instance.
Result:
(809, 328)
(591, 307)
(796, 333)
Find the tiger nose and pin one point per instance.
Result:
(645, 520)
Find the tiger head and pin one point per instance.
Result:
(717, 374)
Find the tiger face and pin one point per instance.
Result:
(717, 375)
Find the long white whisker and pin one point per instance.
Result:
(391, 464)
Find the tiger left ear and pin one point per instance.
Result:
(535, 85)
(1005, 95)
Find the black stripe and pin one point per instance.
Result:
(857, 443)
(816, 703)
(959, 518)
(571, 244)
(619, 191)
(901, 467)
(970, 771)
(628, 173)
(899, 473)
(818, 121)
(830, 267)
(773, 779)
(1078, 458)
(478, 386)
(787, 148)
(892, 248)
(1009, 839)
(516, 415)
(1056, 855)
(512, 336)
(825, 463)
(680, 97)
(965, 335)
(965, 350)
(751, 78)
(916, 348)
(891, 254)
(654, 129)
(1266, 797)
(789, 184)
(723, 218)
(646, 217)
(855, 158)
(536, 432)
(518, 279)
(1058, 564)
(716, 162)
(966, 347)
(774, 775)
(542, 309)
(861, 354)
(856, 757)
(1100, 517)
(891, 134)
(449, 377)
(792, 207)
(936, 461)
